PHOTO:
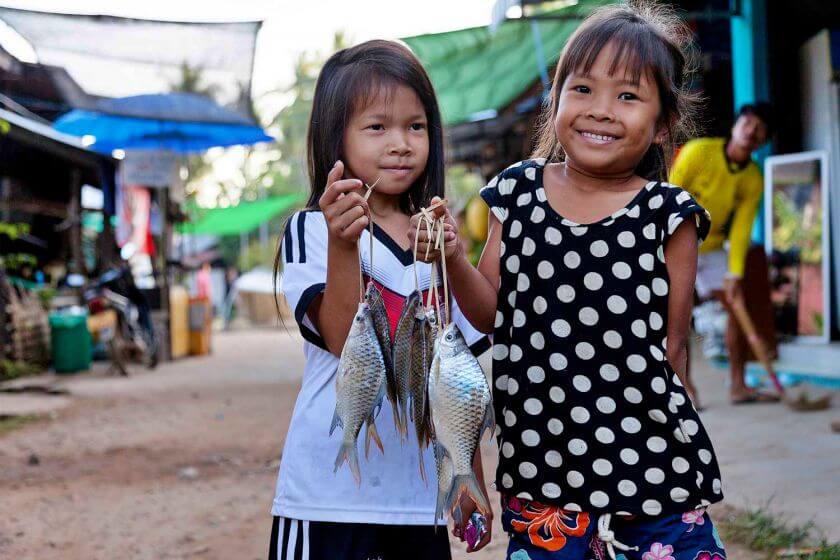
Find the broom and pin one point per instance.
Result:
(801, 403)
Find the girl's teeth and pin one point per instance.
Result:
(598, 137)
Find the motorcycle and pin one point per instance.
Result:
(124, 316)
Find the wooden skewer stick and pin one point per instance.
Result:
(371, 187)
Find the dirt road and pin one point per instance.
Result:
(179, 463)
(176, 463)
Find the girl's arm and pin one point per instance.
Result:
(475, 290)
(346, 213)
(681, 262)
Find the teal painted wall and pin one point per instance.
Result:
(750, 72)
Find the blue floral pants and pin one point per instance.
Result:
(544, 532)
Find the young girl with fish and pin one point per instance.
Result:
(375, 122)
(586, 284)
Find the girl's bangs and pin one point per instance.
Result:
(635, 52)
(366, 88)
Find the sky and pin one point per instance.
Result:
(292, 27)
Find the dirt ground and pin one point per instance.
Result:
(179, 463)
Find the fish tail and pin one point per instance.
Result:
(336, 421)
(469, 484)
(371, 433)
(440, 504)
(422, 468)
(348, 452)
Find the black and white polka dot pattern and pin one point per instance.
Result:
(592, 416)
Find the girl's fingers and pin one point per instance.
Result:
(345, 219)
(348, 201)
(485, 540)
(336, 173)
(433, 256)
(355, 229)
(335, 189)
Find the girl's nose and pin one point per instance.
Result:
(600, 110)
(400, 145)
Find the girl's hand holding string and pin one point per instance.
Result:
(426, 238)
(344, 207)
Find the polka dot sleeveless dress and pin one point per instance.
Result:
(591, 416)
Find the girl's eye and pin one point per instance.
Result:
(418, 126)
(627, 96)
(582, 89)
(376, 127)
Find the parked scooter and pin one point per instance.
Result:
(126, 321)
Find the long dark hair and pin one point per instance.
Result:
(649, 39)
(349, 80)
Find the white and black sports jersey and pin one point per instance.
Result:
(391, 492)
(591, 415)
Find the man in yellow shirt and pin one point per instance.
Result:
(721, 175)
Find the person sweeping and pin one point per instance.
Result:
(721, 175)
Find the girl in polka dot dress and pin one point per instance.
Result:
(586, 283)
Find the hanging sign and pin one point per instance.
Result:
(151, 168)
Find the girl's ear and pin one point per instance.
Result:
(662, 132)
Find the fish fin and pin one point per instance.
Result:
(440, 453)
(371, 433)
(376, 408)
(489, 422)
(348, 452)
(428, 426)
(469, 484)
(391, 391)
(336, 421)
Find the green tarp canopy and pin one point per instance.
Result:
(242, 218)
(474, 71)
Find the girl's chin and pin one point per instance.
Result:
(391, 188)
(598, 164)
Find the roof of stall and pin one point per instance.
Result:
(477, 73)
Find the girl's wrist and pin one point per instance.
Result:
(337, 243)
(458, 259)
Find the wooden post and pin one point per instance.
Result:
(166, 242)
(77, 261)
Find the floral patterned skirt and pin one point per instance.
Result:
(543, 532)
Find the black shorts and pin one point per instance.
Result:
(292, 539)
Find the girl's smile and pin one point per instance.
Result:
(598, 138)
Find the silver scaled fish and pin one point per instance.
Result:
(461, 409)
(382, 326)
(418, 383)
(359, 388)
(404, 348)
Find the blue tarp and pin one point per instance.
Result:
(176, 122)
